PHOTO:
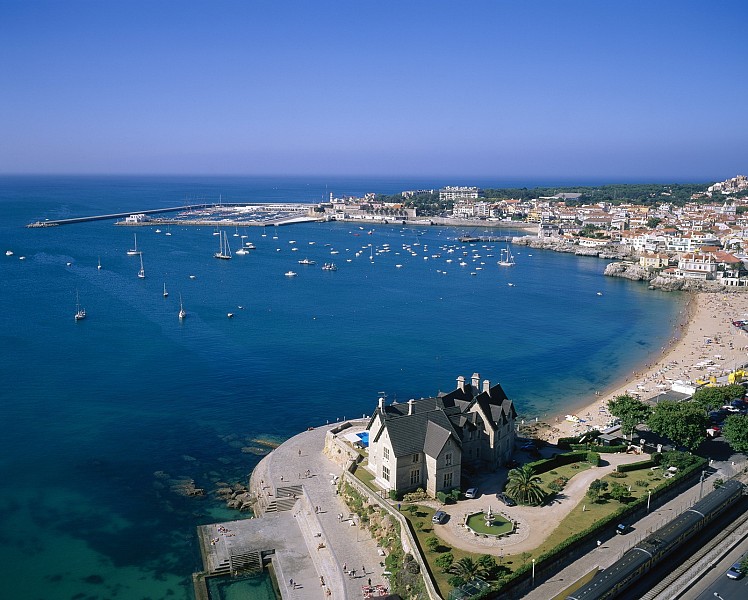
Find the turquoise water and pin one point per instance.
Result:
(99, 414)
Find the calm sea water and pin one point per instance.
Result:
(98, 415)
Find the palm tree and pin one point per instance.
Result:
(466, 568)
(524, 486)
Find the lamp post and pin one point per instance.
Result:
(533, 572)
(718, 597)
(649, 498)
(701, 483)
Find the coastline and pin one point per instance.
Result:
(703, 332)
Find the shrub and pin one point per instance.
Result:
(642, 483)
(442, 497)
(618, 475)
(593, 458)
(456, 494)
(395, 495)
(444, 562)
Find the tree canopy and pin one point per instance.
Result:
(630, 410)
(710, 398)
(735, 431)
(524, 486)
(684, 423)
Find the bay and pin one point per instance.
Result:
(99, 414)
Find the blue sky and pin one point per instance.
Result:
(634, 90)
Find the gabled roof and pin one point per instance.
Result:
(409, 434)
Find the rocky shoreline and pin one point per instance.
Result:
(625, 265)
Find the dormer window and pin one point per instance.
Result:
(416, 458)
(448, 459)
(386, 453)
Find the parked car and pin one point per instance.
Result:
(622, 528)
(735, 571)
(471, 493)
(439, 517)
(506, 499)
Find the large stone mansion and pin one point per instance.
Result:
(427, 443)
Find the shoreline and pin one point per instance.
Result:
(688, 356)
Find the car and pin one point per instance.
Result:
(506, 499)
(471, 493)
(439, 517)
(622, 528)
(735, 571)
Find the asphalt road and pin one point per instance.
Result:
(716, 584)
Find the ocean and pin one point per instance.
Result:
(101, 416)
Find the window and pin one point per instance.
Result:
(447, 480)
(416, 458)
(415, 476)
(448, 459)
(385, 473)
(386, 453)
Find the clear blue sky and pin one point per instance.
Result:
(627, 90)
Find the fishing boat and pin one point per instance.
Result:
(134, 250)
(141, 273)
(224, 250)
(290, 274)
(80, 313)
(182, 312)
(165, 292)
(306, 261)
(329, 267)
(506, 260)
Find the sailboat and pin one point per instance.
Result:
(182, 312)
(141, 273)
(134, 250)
(507, 260)
(224, 250)
(99, 265)
(165, 292)
(80, 313)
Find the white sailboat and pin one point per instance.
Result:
(80, 313)
(165, 292)
(182, 312)
(134, 250)
(224, 250)
(99, 265)
(141, 273)
(507, 260)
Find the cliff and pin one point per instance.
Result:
(564, 245)
(635, 272)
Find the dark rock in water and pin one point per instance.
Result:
(256, 450)
(98, 579)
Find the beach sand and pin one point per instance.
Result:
(705, 333)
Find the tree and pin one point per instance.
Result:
(488, 566)
(444, 562)
(682, 422)
(710, 398)
(653, 222)
(630, 410)
(466, 568)
(597, 490)
(432, 542)
(735, 431)
(619, 492)
(524, 486)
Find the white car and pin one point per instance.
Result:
(471, 493)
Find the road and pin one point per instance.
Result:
(715, 584)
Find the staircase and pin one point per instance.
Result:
(244, 562)
(285, 498)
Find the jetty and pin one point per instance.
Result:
(490, 239)
(202, 214)
(302, 529)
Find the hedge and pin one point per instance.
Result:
(600, 449)
(565, 443)
(548, 464)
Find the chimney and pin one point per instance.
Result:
(476, 381)
(381, 403)
(461, 383)
(411, 402)
(486, 385)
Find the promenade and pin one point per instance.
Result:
(310, 542)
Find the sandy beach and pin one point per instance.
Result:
(704, 343)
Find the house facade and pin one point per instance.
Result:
(428, 443)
